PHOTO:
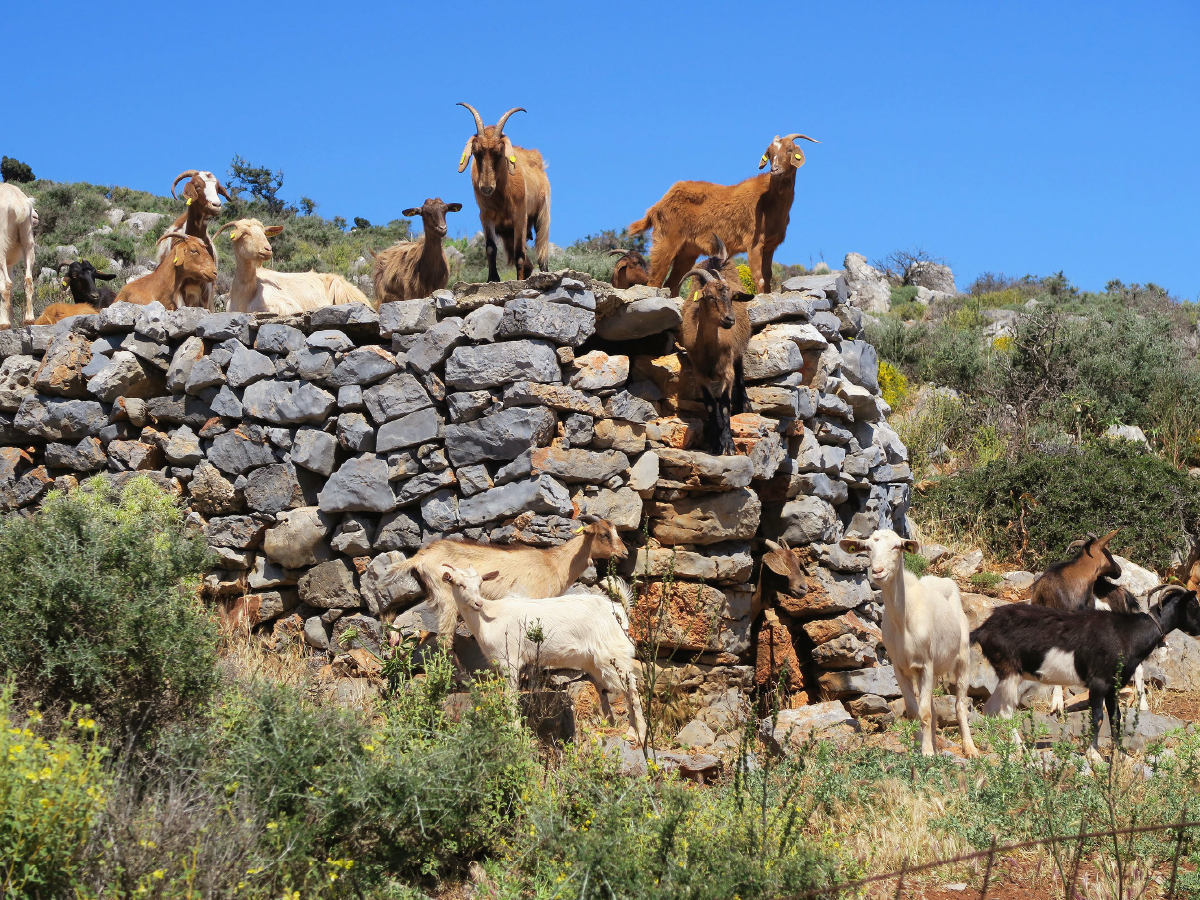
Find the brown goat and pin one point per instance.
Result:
(524, 570)
(512, 192)
(203, 194)
(1070, 584)
(751, 217)
(714, 334)
(56, 312)
(190, 261)
(783, 572)
(417, 268)
(630, 269)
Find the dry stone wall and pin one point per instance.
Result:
(317, 451)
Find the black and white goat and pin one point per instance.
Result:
(1091, 648)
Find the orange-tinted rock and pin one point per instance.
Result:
(776, 657)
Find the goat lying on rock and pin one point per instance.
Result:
(584, 631)
(1091, 648)
(630, 269)
(189, 261)
(924, 629)
(528, 571)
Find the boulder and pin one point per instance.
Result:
(16, 381)
(541, 494)
(382, 587)
(298, 538)
(501, 436)
(353, 536)
(475, 368)
(641, 318)
(869, 288)
(803, 521)
(399, 395)
(829, 593)
(360, 485)
(597, 370)
(695, 471)
(287, 402)
(792, 729)
(61, 372)
(928, 274)
(710, 519)
(329, 585)
(558, 322)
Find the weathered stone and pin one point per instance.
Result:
(241, 450)
(360, 485)
(211, 493)
(860, 363)
(694, 617)
(598, 371)
(730, 563)
(501, 436)
(829, 285)
(555, 396)
(627, 437)
(183, 449)
(869, 288)
(343, 315)
(880, 680)
(407, 317)
(125, 376)
(473, 479)
(776, 661)
(247, 367)
(407, 431)
(24, 490)
(86, 456)
(61, 371)
(305, 364)
(692, 470)
(621, 507)
(579, 465)
(382, 587)
(767, 308)
(235, 532)
(398, 531)
(643, 475)
(298, 538)
(929, 274)
(399, 395)
(355, 433)
(846, 651)
(539, 495)
(273, 488)
(641, 318)
(624, 405)
(769, 358)
(279, 339)
(353, 536)
(467, 406)
(481, 325)
(54, 419)
(287, 402)
(533, 317)
(416, 488)
(223, 326)
(16, 381)
(152, 352)
(133, 456)
(803, 521)
(829, 593)
(710, 519)
(793, 729)
(432, 347)
(330, 341)
(314, 450)
(329, 585)
(695, 734)
(316, 633)
(474, 368)
(439, 510)
(365, 365)
(226, 403)
(180, 369)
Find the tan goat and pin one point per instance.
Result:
(417, 268)
(18, 218)
(751, 217)
(189, 261)
(56, 312)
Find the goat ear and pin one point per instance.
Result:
(411, 211)
(273, 230)
(105, 276)
(797, 157)
(911, 547)
(777, 564)
(511, 156)
(491, 575)
(766, 157)
(453, 207)
(446, 577)
(467, 151)
(852, 546)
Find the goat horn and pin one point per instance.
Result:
(721, 253)
(222, 228)
(794, 136)
(771, 545)
(178, 178)
(61, 264)
(1162, 587)
(1075, 545)
(175, 236)
(504, 118)
(618, 252)
(705, 276)
(478, 118)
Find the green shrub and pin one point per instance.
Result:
(14, 171)
(893, 386)
(51, 790)
(986, 580)
(903, 294)
(916, 563)
(97, 596)
(1060, 497)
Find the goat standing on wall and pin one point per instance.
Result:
(751, 217)
(413, 269)
(513, 194)
(18, 219)
(203, 195)
(714, 335)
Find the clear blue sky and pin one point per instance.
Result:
(1011, 137)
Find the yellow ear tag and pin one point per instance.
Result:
(463, 159)
(695, 296)
(799, 156)
(233, 235)
(189, 201)
(512, 159)
(581, 529)
(64, 282)
(764, 158)
(177, 259)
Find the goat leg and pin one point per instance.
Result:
(1096, 700)
(490, 249)
(723, 404)
(712, 427)
(740, 403)
(1114, 719)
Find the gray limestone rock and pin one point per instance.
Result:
(426, 483)
(439, 510)
(481, 325)
(624, 405)
(475, 368)
(223, 326)
(287, 402)
(432, 347)
(622, 507)
(531, 317)
(344, 314)
(330, 341)
(398, 531)
(360, 485)
(355, 433)
(241, 450)
(55, 419)
(540, 495)
(399, 395)
(125, 376)
(86, 456)
(596, 371)
(306, 364)
(803, 521)
(16, 379)
(183, 449)
(247, 367)
(641, 318)
(407, 431)
(588, 466)
(211, 493)
(273, 488)
(226, 403)
(407, 317)
(204, 373)
(706, 519)
(365, 365)
(298, 538)
(63, 367)
(353, 536)
(383, 587)
(473, 479)
(314, 450)
(501, 436)
(466, 406)
(278, 339)
(329, 585)
(189, 352)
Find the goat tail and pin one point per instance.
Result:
(643, 224)
(341, 291)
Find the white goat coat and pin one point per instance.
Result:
(291, 293)
(17, 221)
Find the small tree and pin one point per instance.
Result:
(262, 184)
(308, 205)
(15, 171)
(360, 222)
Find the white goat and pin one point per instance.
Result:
(18, 218)
(924, 629)
(284, 293)
(583, 631)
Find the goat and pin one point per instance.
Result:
(203, 194)
(924, 629)
(1082, 583)
(750, 216)
(1091, 648)
(417, 268)
(528, 570)
(80, 279)
(284, 293)
(630, 269)
(191, 262)
(512, 192)
(18, 218)
(581, 631)
(56, 312)
(782, 572)
(714, 335)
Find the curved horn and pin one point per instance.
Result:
(178, 178)
(504, 118)
(175, 236)
(705, 276)
(1075, 545)
(222, 228)
(478, 119)
(721, 253)
(771, 545)
(1162, 587)
(794, 136)
(618, 252)
(61, 264)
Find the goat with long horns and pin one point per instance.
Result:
(203, 195)
(513, 194)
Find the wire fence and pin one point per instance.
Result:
(992, 852)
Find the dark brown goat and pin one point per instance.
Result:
(1070, 584)
(203, 194)
(512, 192)
(714, 334)
(751, 217)
(630, 269)
(416, 268)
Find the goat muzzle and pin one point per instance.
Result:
(727, 322)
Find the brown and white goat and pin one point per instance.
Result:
(189, 261)
(18, 218)
(630, 269)
(417, 268)
(512, 192)
(714, 334)
(203, 194)
(529, 571)
(751, 217)
(256, 289)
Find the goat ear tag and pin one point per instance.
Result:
(512, 159)
(233, 235)
(581, 529)
(177, 259)
(695, 296)
(189, 201)
(463, 160)
(64, 282)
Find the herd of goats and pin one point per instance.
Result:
(1080, 630)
